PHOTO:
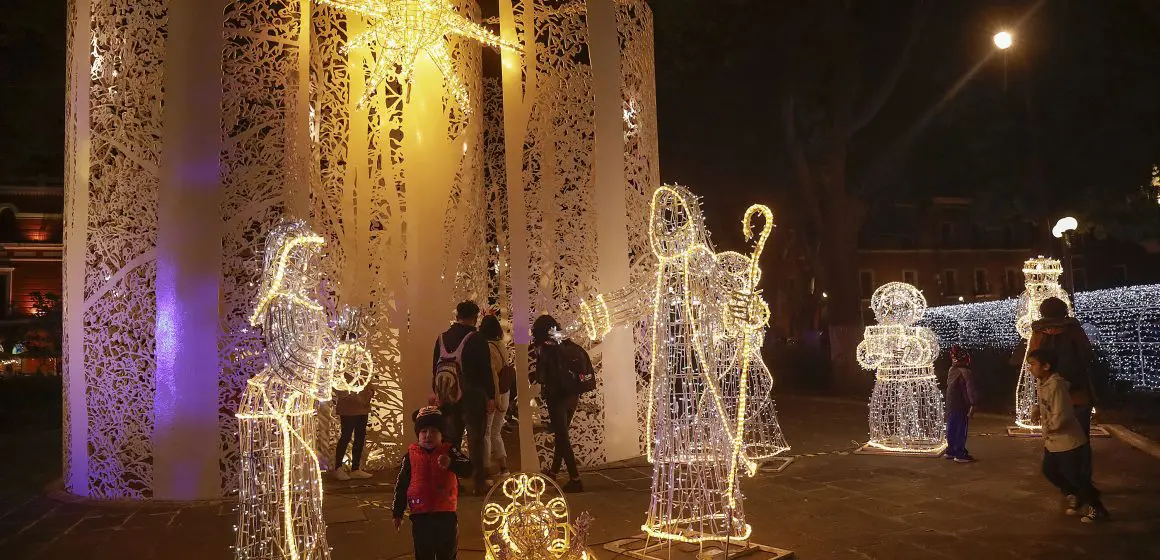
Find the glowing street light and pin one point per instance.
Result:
(1063, 226)
(1003, 40)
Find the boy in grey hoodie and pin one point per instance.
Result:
(1065, 447)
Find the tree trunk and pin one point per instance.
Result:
(844, 301)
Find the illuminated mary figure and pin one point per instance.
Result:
(280, 514)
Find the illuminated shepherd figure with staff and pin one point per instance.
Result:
(906, 409)
(280, 514)
(710, 413)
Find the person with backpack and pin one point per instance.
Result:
(1064, 336)
(461, 381)
(503, 376)
(564, 371)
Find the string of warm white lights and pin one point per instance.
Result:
(1123, 323)
(403, 30)
(531, 522)
(280, 512)
(906, 409)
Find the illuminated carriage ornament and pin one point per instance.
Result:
(1041, 281)
(280, 495)
(906, 409)
(526, 518)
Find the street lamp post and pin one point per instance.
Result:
(1003, 41)
(1065, 229)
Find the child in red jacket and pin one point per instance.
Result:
(429, 487)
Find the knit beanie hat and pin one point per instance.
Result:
(428, 416)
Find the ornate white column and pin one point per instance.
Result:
(179, 120)
(618, 350)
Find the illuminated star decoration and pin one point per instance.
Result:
(402, 30)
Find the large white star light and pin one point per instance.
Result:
(403, 30)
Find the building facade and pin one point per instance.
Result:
(31, 226)
(942, 247)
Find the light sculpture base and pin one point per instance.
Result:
(877, 449)
(1021, 432)
(775, 465)
(642, 547)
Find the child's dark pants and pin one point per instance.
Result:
(436, 535)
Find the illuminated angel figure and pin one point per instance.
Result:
(403, 30)
(906, 409)
(1041, 281)
(280, 513)
(531, 522)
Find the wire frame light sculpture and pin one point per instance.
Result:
(1041, 281)
(906, 408)
(280, 512)
(526, 517)
(711, 414)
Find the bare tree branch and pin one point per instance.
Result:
(805, 177)
(874, 103)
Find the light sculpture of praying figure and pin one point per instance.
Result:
(280, 510)
(710, 412)
(906, 409)
(1041, 281)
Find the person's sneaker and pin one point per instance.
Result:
(965, 459)
(340, 474)
(1095, 514)
(574, 485)
(1070, 504)
(548, 474)
(949, 457)
(360, 474)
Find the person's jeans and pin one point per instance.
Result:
(1083, 413)
(453, 424)
(1065, 469)
(474, 405)
(436, 535)
(957, 434)
(356, 426)
(560, 412)
(493, 444)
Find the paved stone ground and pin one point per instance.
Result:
(828, 503)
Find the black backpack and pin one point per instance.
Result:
(577, 368)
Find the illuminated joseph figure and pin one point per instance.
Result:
(906, 409)
(710, 415)
(280, 513)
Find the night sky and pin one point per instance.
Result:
(1081, 85)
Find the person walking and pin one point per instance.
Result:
(353, 411)
(502, 377)
(461, 367)
(1064, 335)
(1065, 446)
(555, 356)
